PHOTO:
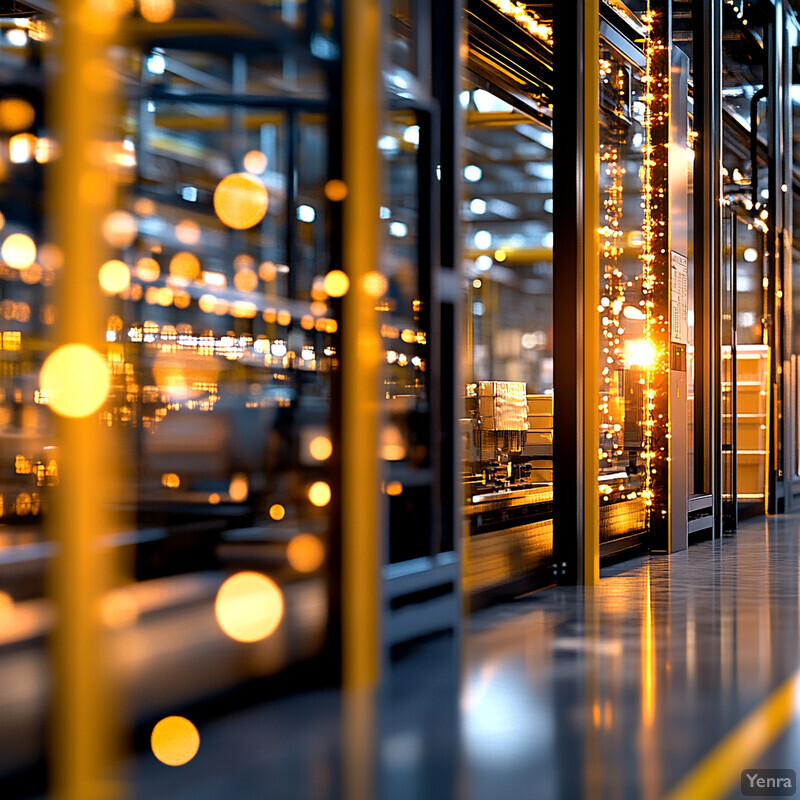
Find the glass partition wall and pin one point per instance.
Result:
(625, 353)
(745, 320)
(220, 343)
(507, 321)
(508, 240)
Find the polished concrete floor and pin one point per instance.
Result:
(622, 691)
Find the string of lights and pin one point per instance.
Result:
(529, 20)
(612, 298)
(655, 266)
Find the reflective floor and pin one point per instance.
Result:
(619, 692)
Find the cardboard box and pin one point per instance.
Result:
(540, 404)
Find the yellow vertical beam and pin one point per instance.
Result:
(591, 291)
(79, 196)
(361, 357)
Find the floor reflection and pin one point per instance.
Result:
(616, 692)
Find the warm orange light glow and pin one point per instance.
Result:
(639, 353)
(147, 269)
(46, 150)
(119, 610)
(187, 232)
(75, 379)
(16, 114)
(244, 261)
(21, 148)
(336, 283)
(375, 284)
(239, 487)
(175, 741)
(254, 162)
(6, 604)
(394, 488)
(182, 299)
(319, 493)
(170, 480)
(320, 448)
(284, 317)
(336, 190)
(144, 207)
(120, 228)
(305, 553)
(214, 499)
(245, 280)
(184, 265)
(157, 10)
(277, 512)
(240, 200)
(267, 271)
(249, 607)
(179, 373)
(241, 309)
(50, 256)
(207, 303)
(114, 276)
(164, 296)
(18, 251)
(393, 447)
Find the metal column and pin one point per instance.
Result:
(575, 291)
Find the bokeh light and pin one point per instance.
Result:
(394, 488)
(170, 480)
(240, 200)
(16, 114)
(75, 379)
(336, 190)
(239, 487)
(187, 232)
(255, 162)
(393, 446)
(305, 552)
(22, 148)
(18, 251)
(157, 10)
(375, 284)
(120, 228)
(319, 493)
(267, 271)
(249, 607)
(277, 512)
(114, 276)
(336, 283)
(320, 448)
(147, 269)
(245, 280)
(184, 265)
(175, 741)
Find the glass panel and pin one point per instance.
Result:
(507, 211)
(405, 315)
(221, 341)
(624, 354)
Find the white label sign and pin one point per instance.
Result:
(679, 299)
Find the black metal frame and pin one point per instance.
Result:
(707, 49)
(569, 379)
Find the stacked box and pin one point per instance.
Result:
(502, 405)
(540, 418)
